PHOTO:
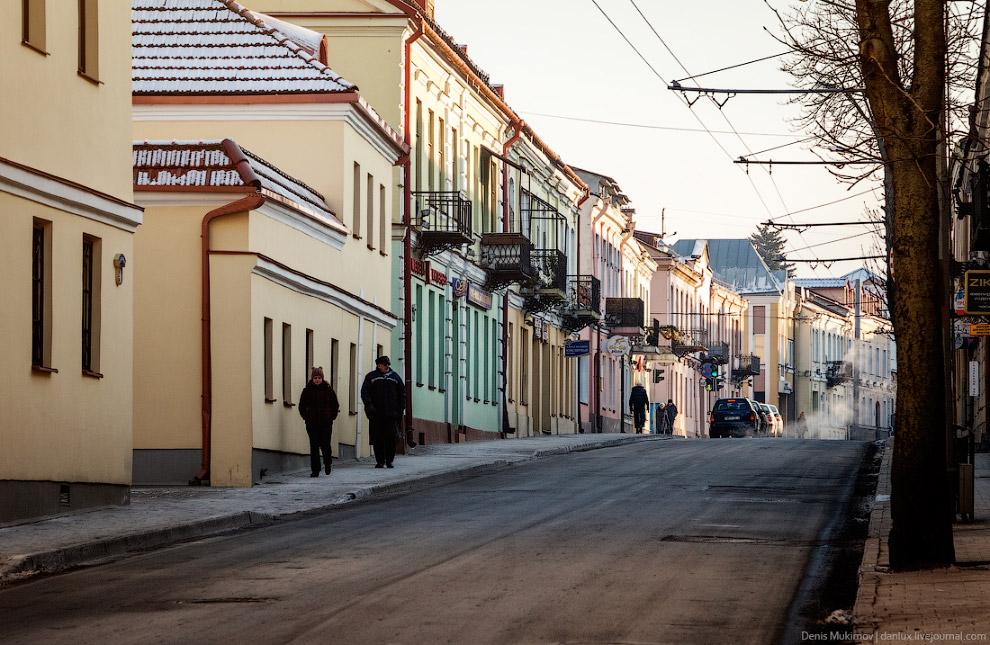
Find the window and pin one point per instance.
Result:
(382, 222)
(418, 320)
(442, 340)
(429, 150)
(335, 364)
(33, 24)
(523, 366)
(759, 320)
(371, 212)
(356, 216)
(441, 157)
(419, 145)
(508, 363)
(476, 357)
(353, 383)
(91, 306)
(269, 361)
(487, 370)
(286, 364)
(89, 41)
(582, 366)
(379, 351)
(431, 377)
(41, 295)
(310, 361)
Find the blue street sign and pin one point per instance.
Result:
(577, 348)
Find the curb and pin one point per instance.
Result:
(874, 562)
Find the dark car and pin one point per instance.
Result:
(734, 418)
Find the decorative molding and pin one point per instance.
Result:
(56, 192)
(307, 285)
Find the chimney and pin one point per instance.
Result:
(500, 90)
(462, 49)
(426, 6)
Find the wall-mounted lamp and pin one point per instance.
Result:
(119, 262)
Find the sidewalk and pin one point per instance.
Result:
(938, 605)
(159, 516)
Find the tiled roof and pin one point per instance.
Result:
(197, 47)
(216, 164)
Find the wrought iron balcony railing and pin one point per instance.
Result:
(624, 312)
(551, 273)
(718, 352)
(690, 341)
(746, 365)
(443, 219)
(508, 257)
(584, 292)
(838, 372)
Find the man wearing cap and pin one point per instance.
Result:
(384, 397)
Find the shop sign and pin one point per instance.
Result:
(459, 287)
(418, 267)
(479, 297)
(977, 289)
(979, 330)
(438, 277)
(541, 330)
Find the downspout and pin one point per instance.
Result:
(518, 126)
(407, 238)
(250, 202)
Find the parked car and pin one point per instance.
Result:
(734, 418)
(780, 421)
(770, 428)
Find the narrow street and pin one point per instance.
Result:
(656, 542)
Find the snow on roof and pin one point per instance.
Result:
(216, 163)
(821, 283)
(736, 262)
(196, 47)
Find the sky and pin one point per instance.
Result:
(564, 65)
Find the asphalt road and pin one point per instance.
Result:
(654, 542)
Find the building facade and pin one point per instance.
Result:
(66, 247)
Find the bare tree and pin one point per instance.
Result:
(895, 59)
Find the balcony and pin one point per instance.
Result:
(690, 341)
(550, 266)
(625, 315)
(443, 219)
(508, 259)
(838, 372)
(745, 365)
(584, 292)
(718, 352)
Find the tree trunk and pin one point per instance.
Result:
(907, 120)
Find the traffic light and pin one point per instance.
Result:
(719, 383)
(714, 370)
(709, 384)
(657, 376)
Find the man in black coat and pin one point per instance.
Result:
(638, 402)
(384, 397)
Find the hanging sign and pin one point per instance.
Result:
(459, 287)
(617, 345)
(977, 290)
(479, 297)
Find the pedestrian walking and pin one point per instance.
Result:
(661, 419)
(638, 403)
(670, 410)
(318, 407)
(384, 397)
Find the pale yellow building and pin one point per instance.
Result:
(298, 289)
(66, 238)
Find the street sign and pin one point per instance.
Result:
(574, 348)
(979, 330)
(974, 378)
(707, 371)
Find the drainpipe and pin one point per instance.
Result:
(250, 202)
(407, 238)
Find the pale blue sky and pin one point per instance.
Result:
(562, 57)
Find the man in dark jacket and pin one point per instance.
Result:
(318, 407)
(638, 402)
(384, 397)
(671, 411)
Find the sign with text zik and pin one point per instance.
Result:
(977, 291)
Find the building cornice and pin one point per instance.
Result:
(69, 196)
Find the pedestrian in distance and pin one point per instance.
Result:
(671, 411)
(638, 403)
(661, 419)
(384, 397)
(318, 407)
